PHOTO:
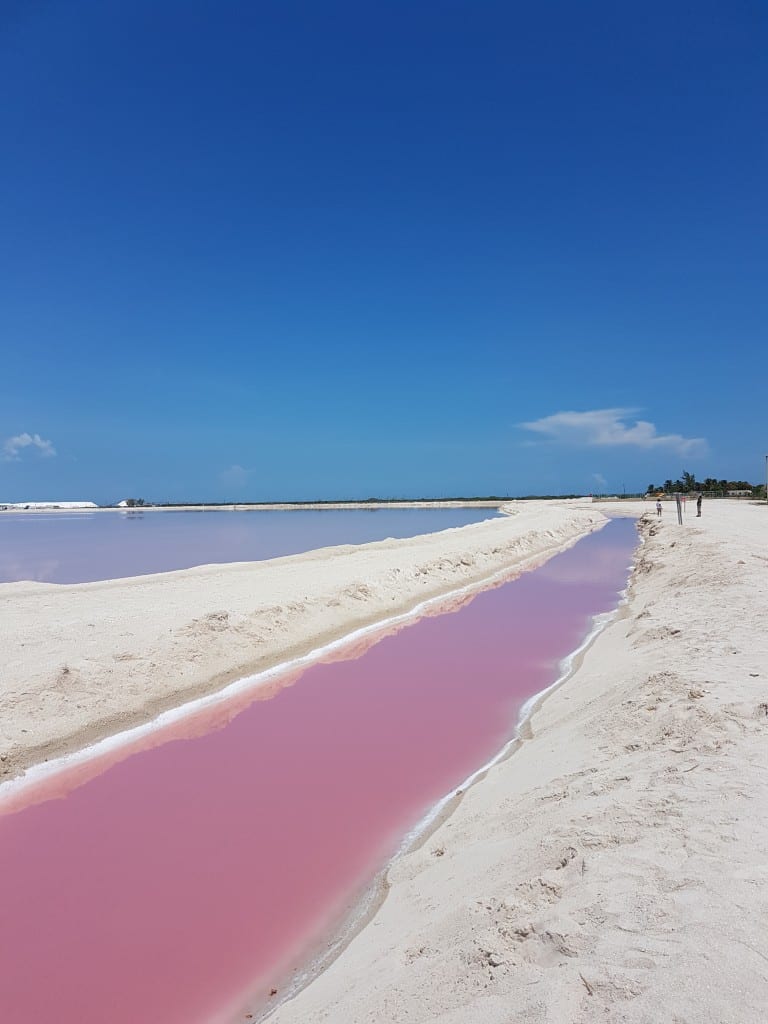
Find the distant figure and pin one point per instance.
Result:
(698, 506)
(658, 508)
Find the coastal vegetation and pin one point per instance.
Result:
(366, 501)
(687, 484)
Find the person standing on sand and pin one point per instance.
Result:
(658, 508)
(698, 507)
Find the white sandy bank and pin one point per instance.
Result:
(615, 867)
(80, 662)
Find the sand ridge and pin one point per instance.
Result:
(82, 662)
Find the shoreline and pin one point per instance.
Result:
(559, 884)
(118, 741)
(630, 826)
(273, 506)
(370, 899)
(106, 666)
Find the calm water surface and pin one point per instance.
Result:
(82, 547)
(164, 884)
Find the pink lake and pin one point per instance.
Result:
(81, 547)
(172, 881)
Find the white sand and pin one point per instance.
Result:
(615, 867)
(83, 662)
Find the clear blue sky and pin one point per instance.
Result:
(287, 250)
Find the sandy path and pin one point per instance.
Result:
(614, 868)
(82, 662)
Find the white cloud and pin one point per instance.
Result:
(14, 445)
(235, 476)
(600, 480)
(611, 428)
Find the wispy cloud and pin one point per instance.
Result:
(235, 476)
(599, 479)
(14, 446)
(611, 428)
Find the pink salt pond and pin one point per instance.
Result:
(81, 547)
(177, 879)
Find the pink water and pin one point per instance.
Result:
(81, 547)
(165, 886)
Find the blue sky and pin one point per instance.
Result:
(295, 250)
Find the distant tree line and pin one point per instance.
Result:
(688, 484)
(357, 501)
(336, 501)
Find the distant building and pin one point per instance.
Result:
(41, 506)
(740, 494)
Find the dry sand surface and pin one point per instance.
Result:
(82, 662)
(615, 866)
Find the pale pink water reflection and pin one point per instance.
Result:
(188, 874)
(86, 546)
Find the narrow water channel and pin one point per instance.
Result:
(167, 885)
